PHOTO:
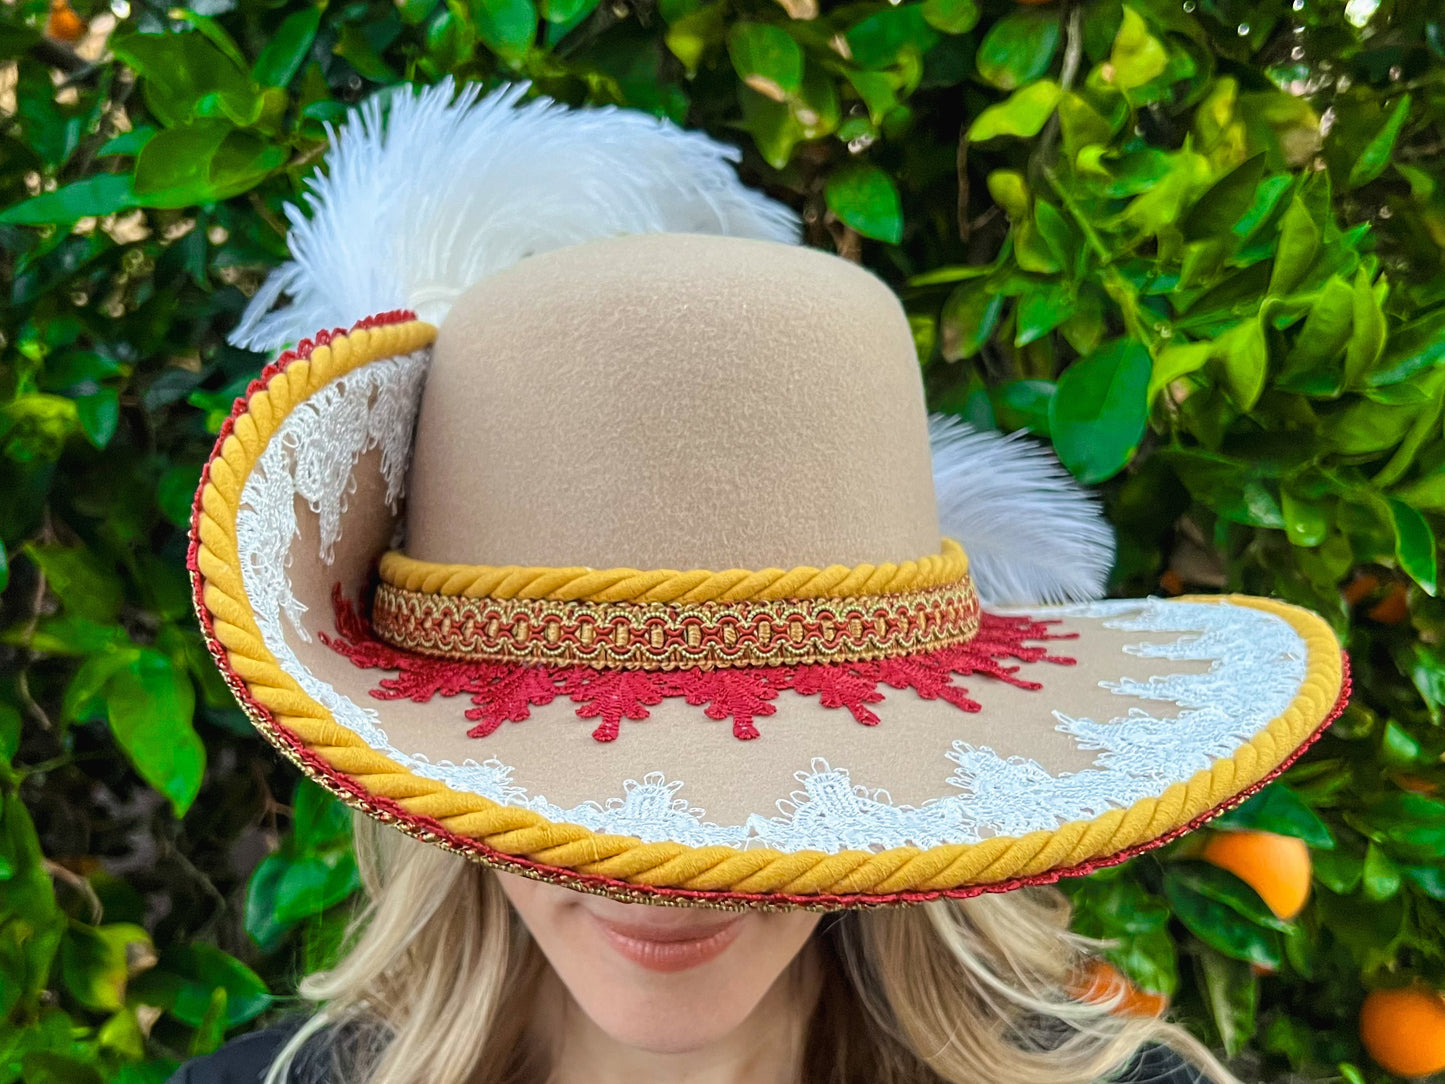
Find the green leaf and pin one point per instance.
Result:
(1398, 748)
(567, 11)
(969, 317)
(175, 491)
(1306, 522)
(1243, 353)
(1223, 928)
(1232, 994)
(320, 821)
(1231, 489)
(951, 16)
(1340, 871)
(211, 1030)
(1380, 876)
(1023, 114)
(1042, 310)
(354, 46)
(187, 77)
(1224, 887)
(94, 962)
(691, 37)
(27, 946)
(775, 128)
(1375, 155)
(184, 981)
(10, 727)
(1279, 810)
(1427, 493)
(1364, 427)
(1414, 544)
(1225, 201)
(150, 704)
(287, 49)
(202, 163)
(99, 415)
(1023, 404)
(1019, 47)
(1175, 361)
(127, 143)
(80, 579)
(767, 59)
(1367, 337)
(1325, 334)
(885, 38)
(1299, 242)
(1098, 416)
(102, 194)
(314, 882)
(1137, 57)
(1411, 349)
(865, 198)
(507, 27)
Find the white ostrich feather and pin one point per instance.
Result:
(1032, 533)
(426, 193)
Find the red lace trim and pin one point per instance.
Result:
(505, 692)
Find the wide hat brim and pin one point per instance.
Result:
(1133, 722)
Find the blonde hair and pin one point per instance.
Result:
(438, 969)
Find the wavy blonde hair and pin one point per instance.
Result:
(949, 992)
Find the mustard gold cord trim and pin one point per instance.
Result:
(671, 636)
(528, 836)
(582, 584)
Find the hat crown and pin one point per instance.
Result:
(674, 401)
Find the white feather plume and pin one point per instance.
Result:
(1032, 533)
(426, 193)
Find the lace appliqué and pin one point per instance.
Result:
(505, 692)
(313, 456)
(1257, 665)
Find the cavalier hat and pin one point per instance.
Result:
(612, 543)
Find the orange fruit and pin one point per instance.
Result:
(1404, 1030)
(1277, 867)
(1100, 980)
(63, 24)
(1360, 586)
(1393, 609)
(1415, 785)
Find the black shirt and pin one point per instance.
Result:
(244, 1060)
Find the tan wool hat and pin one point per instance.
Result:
(613, 544)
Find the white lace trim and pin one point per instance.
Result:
(1258, 665)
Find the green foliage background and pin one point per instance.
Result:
(1197, 244)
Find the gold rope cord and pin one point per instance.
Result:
(579, 583)
(278, 704)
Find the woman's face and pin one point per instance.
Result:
(662, 979)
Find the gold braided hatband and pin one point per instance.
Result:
(583, 584)
(672, 636)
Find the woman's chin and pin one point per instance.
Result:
(659, 979)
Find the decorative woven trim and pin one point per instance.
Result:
(675, 635)
(506, 691)
(525, 842)
(581, 584)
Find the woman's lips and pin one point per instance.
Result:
(659, 948)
